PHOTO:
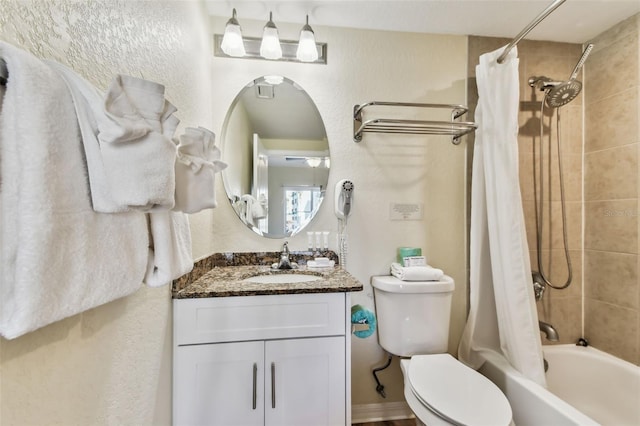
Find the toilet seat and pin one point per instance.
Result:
(457, 393)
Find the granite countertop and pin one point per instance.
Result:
(225, 281)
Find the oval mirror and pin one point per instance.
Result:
(275, 144)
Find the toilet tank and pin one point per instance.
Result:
(413, 316)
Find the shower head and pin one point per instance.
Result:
(559, 93)
(563, 93)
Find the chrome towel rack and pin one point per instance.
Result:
(453, 128)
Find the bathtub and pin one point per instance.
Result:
(585, 387)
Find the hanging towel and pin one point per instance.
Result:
(240, 207)
(101, 132)
(197, 164)
(58, 257)
(416, 273)
(260, 208)
(253, 209)
(88, 103)
(140, 169)
(170, 251)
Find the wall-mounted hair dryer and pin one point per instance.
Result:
(343, 198)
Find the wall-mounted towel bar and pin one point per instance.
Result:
(455, 129)
(4, 73)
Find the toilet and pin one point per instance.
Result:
(413, 323)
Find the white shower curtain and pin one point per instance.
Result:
(502, 314)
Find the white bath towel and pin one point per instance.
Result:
(140, 170)
(197, 164)
(253, 209)
(170, 253)
(416, 273)
(143, 123)
(58, 257)
(127, 142)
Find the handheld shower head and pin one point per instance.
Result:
(559, 93)
(581, 62)
(563, 93)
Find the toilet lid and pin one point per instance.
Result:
(456, 392)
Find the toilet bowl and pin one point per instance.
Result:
(413, 323)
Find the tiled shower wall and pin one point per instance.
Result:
(561, 308)
(610, 183)
(612, 136)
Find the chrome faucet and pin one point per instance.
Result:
(549, 331)
(285, 263)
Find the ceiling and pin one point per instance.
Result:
(575, 21)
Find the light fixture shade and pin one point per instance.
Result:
(232, 43)
(313, 161)
(274, 80)
(270, 46)
(307, 50)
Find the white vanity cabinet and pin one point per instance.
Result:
(262, 360)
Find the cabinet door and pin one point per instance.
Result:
(305, 382)
(219, 384)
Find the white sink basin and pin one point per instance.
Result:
(282, 278)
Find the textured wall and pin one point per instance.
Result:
(612, 136)
(112, 364)
(365, 66)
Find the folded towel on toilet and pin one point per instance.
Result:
(416, 273)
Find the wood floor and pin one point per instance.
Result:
(408, 422)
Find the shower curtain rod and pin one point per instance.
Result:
(553, 6)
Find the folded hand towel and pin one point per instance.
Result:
(416, 273)
(252, 211)
(260, 208)
(57, 256)
(170, 255)
(198, 162)
(121, 136)
(140, 169)
(168, 121)
(314, 264)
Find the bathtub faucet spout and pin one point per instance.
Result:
(549, 331)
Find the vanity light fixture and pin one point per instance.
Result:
(307, 50)
(232, 43)
(270, 46)
(235, 45)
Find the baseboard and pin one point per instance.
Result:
(364, 413)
